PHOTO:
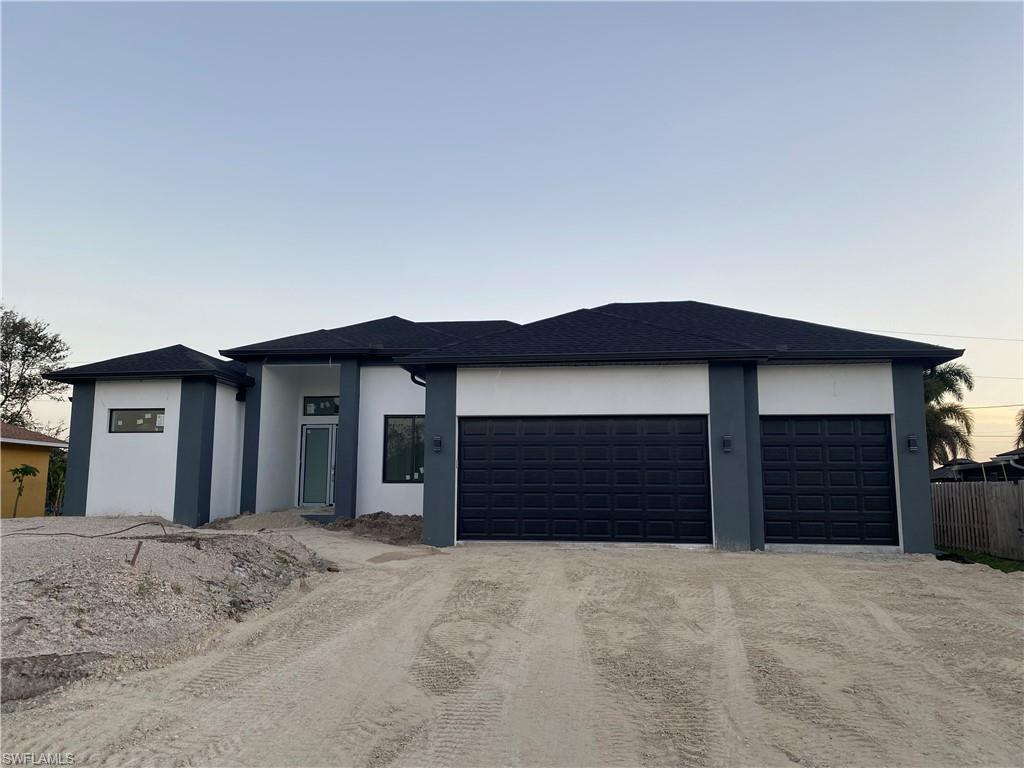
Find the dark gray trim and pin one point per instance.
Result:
(194, 474)
(440, 466)
(251, 440)
(76, 481)
(755, 490)
(914, 488)
(346, 448)
(730, 492)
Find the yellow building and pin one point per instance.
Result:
(23, 446)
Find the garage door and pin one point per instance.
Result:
(828, 480)
(592, 478)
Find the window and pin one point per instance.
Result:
(136, 419)
(318, 405)
(403, 449)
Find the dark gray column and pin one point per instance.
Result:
(194, 473)
(912, 466)
(730, 494)
(76, 480)
(251, 440)
(346, 449)
(755, 490)
(439, 460)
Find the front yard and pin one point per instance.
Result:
(541, 655)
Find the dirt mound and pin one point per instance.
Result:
(74, 606)
(401, 530)
(270, 521)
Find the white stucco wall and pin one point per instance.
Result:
(281, 418)
(228, 425)
(583, 390)
(384, 391)
(795, 390)
(132, 473)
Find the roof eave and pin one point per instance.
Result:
(929, 357)
(73, 378)
(243, 355)
(589, 357)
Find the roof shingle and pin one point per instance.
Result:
(12, 433)
(676, 330)
(383, 336)
(166, 362)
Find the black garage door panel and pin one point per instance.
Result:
(828, 480)
(593, 478)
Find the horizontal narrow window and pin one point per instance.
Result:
(320, 405)
(403, 449)
(136, 419)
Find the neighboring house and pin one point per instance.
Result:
(1006, 466)
(676, 422)
(24, 446)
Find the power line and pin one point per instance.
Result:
(944, 335)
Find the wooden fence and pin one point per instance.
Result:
(980, 517)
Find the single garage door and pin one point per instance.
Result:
(589, 478)
(828, 480)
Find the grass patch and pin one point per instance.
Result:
(1000, 564)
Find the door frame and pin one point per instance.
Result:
(331, 443)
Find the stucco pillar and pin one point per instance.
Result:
(729, 450)
(76, 479)
(346, 449)
(439, 458)
(194, 474)
(912, 466)
(755, 487)
(251, 440)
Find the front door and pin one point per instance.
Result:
(316, 465)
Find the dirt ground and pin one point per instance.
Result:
(74, 605)
(515, 654)
(400, 530)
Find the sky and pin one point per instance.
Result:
(215, 174)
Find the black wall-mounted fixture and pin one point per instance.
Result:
(726, 443)
(436, 443)
(912, 444)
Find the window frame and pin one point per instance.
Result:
(159, 430)
(384, 447)
(337, 406)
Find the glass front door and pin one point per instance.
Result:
(316, 466)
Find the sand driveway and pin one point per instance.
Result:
(515, 654)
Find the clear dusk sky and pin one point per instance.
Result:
(214, 174)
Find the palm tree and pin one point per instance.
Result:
(1020, 429)
(949, 424)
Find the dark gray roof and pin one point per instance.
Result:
(386, 336)
(168, 362)
(676, 330)
(470, 329)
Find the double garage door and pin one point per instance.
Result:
(612, 478)
(626, 478)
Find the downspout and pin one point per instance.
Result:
(418, 382)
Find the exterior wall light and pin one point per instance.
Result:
(436, 444)
(726, 443)
(912, 444)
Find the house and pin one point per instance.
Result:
(24, 446)
(1006, 466)
(676, 422)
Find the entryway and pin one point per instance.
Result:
(316, 465)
